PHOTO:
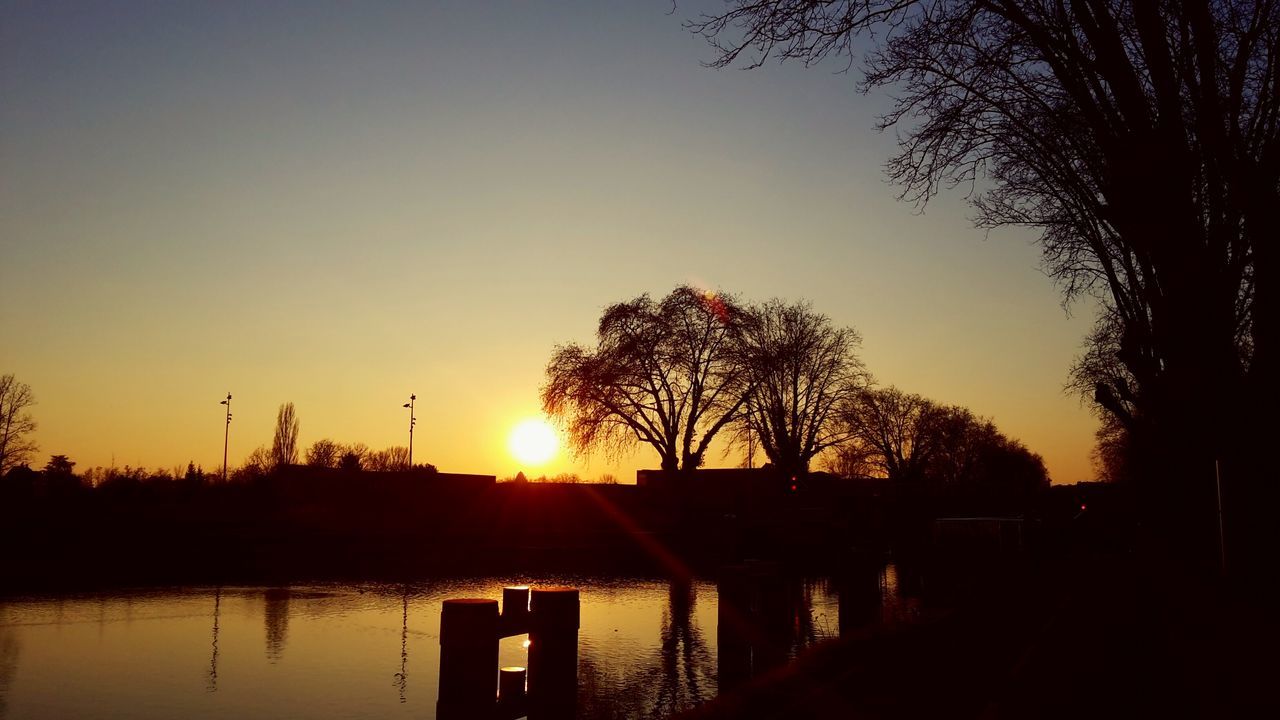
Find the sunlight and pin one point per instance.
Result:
(533, 442)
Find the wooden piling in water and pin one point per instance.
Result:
(554, 616)
(468, 658)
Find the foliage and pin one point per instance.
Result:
(284, 446)
(801, 372)
(16, 424)
(662, 373)
(912, 440)
(1142, 140)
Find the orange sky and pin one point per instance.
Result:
(341, 207)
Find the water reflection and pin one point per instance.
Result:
(647, 648)
(620, 680)
(9, 650)
(402, 677)
(213, 659)
(276, 621)
(685, 660)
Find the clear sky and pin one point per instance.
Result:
(339, 204)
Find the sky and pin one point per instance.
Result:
(339, 204)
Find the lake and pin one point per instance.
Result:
(647, 646)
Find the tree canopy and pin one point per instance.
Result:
(802, 372)
(16, 424)
(1140, 137)
(663, 373)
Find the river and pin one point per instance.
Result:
(647, 646)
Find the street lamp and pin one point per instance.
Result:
(226, 435)
(412, 421)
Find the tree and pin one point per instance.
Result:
(284, 446)
(16, 424)
(392, 459)
(59, 466)
(324, 453)
(801, 371)
(257, 465)
(666, 374)
(1141, 138)
(897, 431)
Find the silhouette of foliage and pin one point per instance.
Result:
(910, 439)
(1140, 138)
(899, 431)
(391, 459)
(258, 464)
(666, 374)
(284, 446)
(351, 461)
(801, 372)
(16, 424)
(324, 453)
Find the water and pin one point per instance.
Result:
(647, 647)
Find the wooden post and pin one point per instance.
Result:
(468, 658)
(515, 611)
(554, 615)
(511, 682)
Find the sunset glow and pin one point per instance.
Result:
(533, 442)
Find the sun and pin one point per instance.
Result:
(533, 442)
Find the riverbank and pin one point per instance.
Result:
(1102, 636)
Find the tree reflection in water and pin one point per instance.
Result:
(213, 659)
(678, 675)
(764, 628)
(402, 677)
(9, 649)
(276, 621)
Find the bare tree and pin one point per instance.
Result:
(391, 459)
(897, 430)
(16, 424)
(324, 453)
(284, 446)
(663, 373)
(801, 371)
(1141, 138)
(256, 465)
(850, 460)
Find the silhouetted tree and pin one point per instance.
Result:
(1100, 375)
(897, 430)
(961, 444)
(284, 446)
(850, 460)
(194, 474)
(801, 371)
(666, 374)
(59, 466)
(1141, 138)
(351, 461)
(391, 459)
(324, 453)
(16, 424)
(257, 465)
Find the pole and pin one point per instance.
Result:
(412, 421)
(226, 436)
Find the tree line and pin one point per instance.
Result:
(675, 373)
(17, 448)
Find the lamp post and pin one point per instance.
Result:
(226, 435)
(412, 421)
